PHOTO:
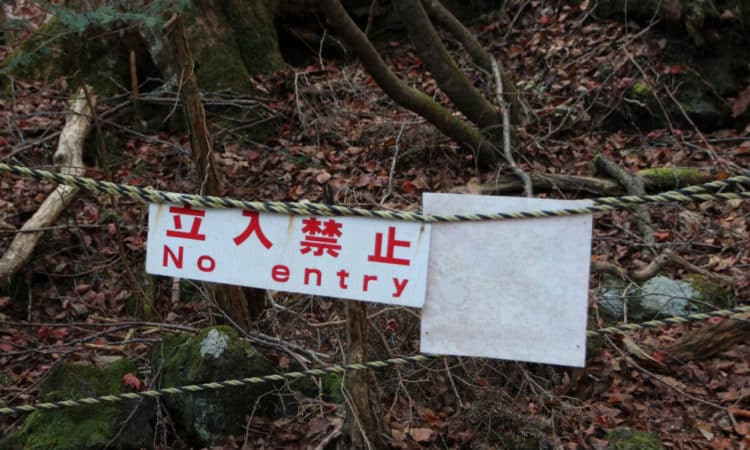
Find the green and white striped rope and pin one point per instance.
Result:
(697, 193)
(291, 376)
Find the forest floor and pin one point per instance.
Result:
(338, 138)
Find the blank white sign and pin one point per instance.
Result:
(510, 289)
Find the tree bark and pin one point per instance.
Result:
(364, 422)
(445, 19)
(406, 96)
(230, 298)
(446, 72)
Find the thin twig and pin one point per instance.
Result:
(527, 187)
(393, 164)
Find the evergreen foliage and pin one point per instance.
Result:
(111, 15)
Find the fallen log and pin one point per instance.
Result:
(655, 180)
(69, 157)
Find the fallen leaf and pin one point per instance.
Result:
(422, 434)
(61, 333)
(43, 332)
(317, 426)
(705, 429)
(132, 381)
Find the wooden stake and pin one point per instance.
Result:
(231, 299)
(364, 421)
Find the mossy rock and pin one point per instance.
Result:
(121, 425)
(697, 97)
(630, 439)
(214, 354)
(709, 292)
(707, 49)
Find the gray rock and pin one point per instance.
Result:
(658, 297)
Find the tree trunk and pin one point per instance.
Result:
(231, 41)
(230, 298)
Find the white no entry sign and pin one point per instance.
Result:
(356, 258)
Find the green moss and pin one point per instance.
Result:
(255, 34)
(215, 353)
(710, 292)
(661, 178)
(629, 439)
(239, 42)
(80, 427)
(641, 89)
(606, 69)
(330, 385)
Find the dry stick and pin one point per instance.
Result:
(273, 342)
(648, 272)
(527, 188)
(371, 16)
(364, 419)
(710, 150)
(452, 383)
(69, 156)
(134, 86)
(552, 181)
(633, 184)
(650, 86)
(336, 432)
(298, 103)
(112, 322)
(392, 172)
